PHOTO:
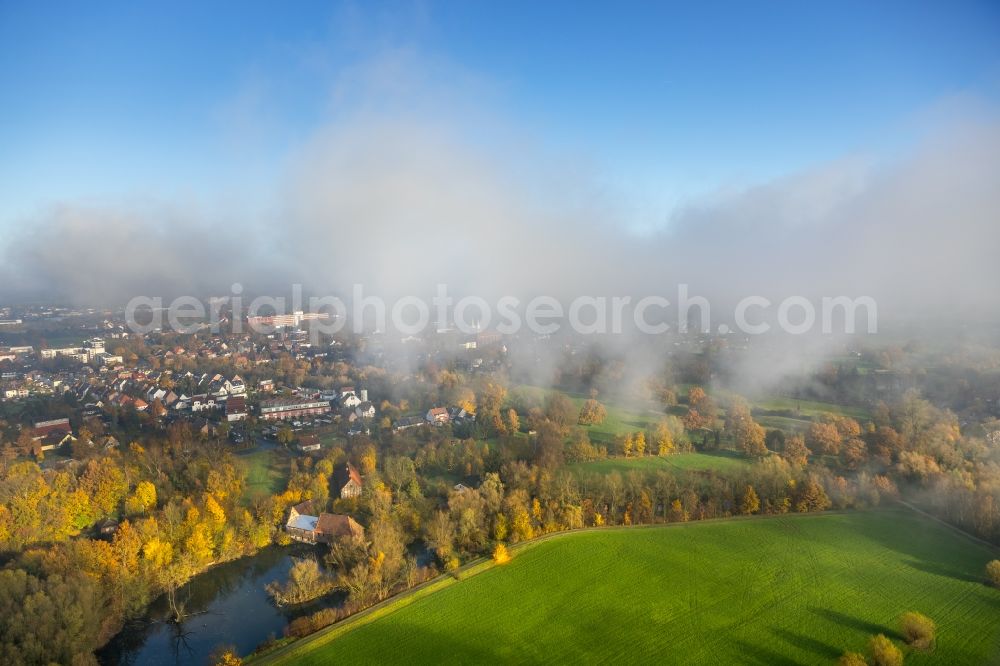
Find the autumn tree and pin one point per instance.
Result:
(512, 422)
(750, 503)
(592, 413)
(306, 581)
(698, 400)
(993, 572)
(227, 657)
(56, 619)
(627, 445)
(824, 438)
(694, 420)
(883, 652)
(560, 410)
(701, 410)
(500, 554)
(440, 536)
(142, 499)
(795, 451)
(918, 630)
(549, 445)
(367, 458)
(639, 443)
(489, 400)
(854, 453)
(105, 484)
(662, 439)
(852, 659)
(751, 440)
(812, 497)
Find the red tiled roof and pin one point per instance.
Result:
(338, 525)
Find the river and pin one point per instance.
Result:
(226, 605)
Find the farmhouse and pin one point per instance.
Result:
(348, 481)
(324, 528)
(438, 416)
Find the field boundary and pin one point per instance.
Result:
(954, 528)
(388, 606)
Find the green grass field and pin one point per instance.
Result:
(625, 419)
(620, 419)
(267, 473)
(716, 461)
(809, 408)
(797, 589)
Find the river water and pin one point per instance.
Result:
(226, 605)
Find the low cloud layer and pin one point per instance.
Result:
(400, 197)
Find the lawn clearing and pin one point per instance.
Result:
(267, 473)
(716, 461)
(797, 589)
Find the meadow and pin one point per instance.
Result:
(267, 472)
(810, 408)
(797, 589)
(789, 414)
(715, 461)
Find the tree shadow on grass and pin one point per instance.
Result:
(755, 654)
(808, 644)
(855, 623)
(942, 570)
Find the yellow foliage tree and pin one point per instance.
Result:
(142, 499)
(367, 460)
(199, 544)
(214, 511)
(663, 440)
(639, 443)
(627, 445)
(500, 554)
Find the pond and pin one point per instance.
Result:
(226, 605)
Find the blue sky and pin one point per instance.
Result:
(122, 101)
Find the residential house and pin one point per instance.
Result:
(407, 422)
(236, 408)
(309, 443)
(61, 426)
(348, 398)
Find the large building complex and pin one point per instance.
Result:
(289, 408)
